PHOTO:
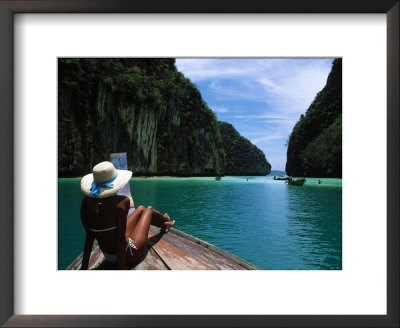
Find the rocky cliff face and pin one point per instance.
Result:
(144, 107)
(315, 144)
(149, 110)
(242, 157)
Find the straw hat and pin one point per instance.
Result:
(105, 180)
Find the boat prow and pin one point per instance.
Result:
(175, 250)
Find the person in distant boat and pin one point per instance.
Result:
(104, 216)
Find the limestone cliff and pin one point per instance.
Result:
(315, 144)
(242, 157)
(144, 107)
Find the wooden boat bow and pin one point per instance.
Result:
(175, 250)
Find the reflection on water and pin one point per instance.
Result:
(266, 222)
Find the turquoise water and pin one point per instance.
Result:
(268, 223)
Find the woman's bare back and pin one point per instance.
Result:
(103, 217)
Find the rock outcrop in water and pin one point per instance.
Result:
(242, 157)
(144, 107)
(315, 144)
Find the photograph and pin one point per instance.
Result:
(199, 163)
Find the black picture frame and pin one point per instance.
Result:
(11, 7)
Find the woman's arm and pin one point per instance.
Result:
(87, 250)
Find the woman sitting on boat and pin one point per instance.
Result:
(104, 215)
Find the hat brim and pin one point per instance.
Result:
(120, 181)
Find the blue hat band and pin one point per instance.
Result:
(95, 189)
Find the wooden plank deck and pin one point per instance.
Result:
(175, 250)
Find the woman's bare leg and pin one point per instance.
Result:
(139, 235)
(140, 221)
(132, 220)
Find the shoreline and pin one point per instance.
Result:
(270, 176)
(176, 176)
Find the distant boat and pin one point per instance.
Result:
(297, 182)
(281, 177)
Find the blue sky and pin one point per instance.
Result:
(262, 98)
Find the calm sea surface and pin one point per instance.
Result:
(265, 222)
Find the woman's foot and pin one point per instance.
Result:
(166, 217)
(168, 223)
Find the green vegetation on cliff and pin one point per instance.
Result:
(315, 144)
(242, 157)
(141, 106)
(144, 107)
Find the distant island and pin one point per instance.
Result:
(315, 144)
(148, 109)
(242, 157)
(277, 173)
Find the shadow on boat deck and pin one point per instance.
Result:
(105, 265)
(175, 250)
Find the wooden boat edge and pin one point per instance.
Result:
(215, 249)
(246, 265)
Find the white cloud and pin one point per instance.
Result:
(201, 69)
(265, 116)
(292, 89)
(220, 109)
(285, 124)
(266, 138)
(289, 84)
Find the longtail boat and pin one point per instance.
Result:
(281, 177)
(297, 182)
(175, 250)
